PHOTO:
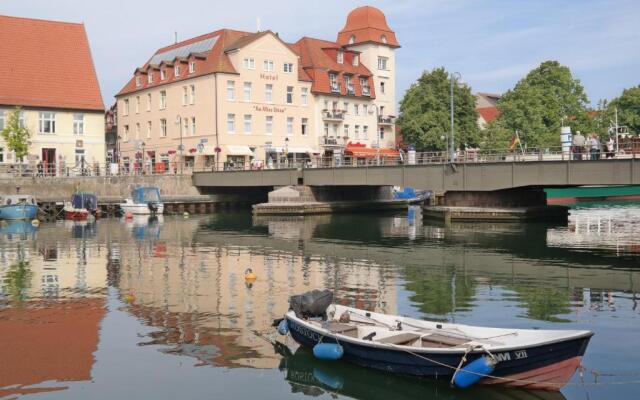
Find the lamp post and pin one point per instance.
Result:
(181, 147)
(375, 106)
(286, 151)
(454, 76)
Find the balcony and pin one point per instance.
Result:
(386, 120)
(335, 87)
(333, 115)
(351, 91)
(329, 142)
(366, 90)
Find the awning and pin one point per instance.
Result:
(361, 152)
(239, 151)
(291, 150)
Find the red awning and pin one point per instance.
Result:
(360, 152)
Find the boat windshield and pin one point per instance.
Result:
(146, 195)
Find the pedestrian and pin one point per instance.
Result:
(40, 168)
(611, 145)
(578, 145)
(592, 144)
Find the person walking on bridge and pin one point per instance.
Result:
(578, 145)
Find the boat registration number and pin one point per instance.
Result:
(315, 336)
(518, 355)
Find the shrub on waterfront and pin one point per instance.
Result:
(16, 134)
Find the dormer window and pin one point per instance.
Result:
(383, 39)
(163, 74)
(150, 77)
(340, 57)
(192, 67)
(352, 39)
(176, 70)
(138, 81)
(355, 60)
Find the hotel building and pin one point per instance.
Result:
(47, 70)
(229, 99)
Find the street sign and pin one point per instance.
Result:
(204, 140)
(180, 147)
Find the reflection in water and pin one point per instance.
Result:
(182, 282)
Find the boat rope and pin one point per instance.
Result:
(462, 361)
(523, 381)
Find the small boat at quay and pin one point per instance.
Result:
(144, 201)
(81, 206)
(523, 358)
(18, 206)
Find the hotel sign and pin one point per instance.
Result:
(271, 109)
(269, 77)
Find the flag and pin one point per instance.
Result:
(515, 139)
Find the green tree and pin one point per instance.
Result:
(628, 105)
(17, 280)
(15, 135)
(425, 114)
(548, 97)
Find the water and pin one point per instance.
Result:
(161, 310)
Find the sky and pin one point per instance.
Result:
(491, 43)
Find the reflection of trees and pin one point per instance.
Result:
(439, 291)
(17, 280)
(544, 303)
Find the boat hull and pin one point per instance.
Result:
(76, 215)
(19, 211)
(140, 209)
(592, 193)
(545, 366)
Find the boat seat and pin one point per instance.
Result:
(400, 339)
(442, 341)
(344, 329)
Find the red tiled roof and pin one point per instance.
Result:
(47, 64)
(318, 58)
(367, 24)
(488, 113)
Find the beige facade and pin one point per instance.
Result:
(61, 139)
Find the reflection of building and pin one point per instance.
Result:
(111, 134)
(47, 70)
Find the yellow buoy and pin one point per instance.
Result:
(35, 222)
(129, 298)
(185, 214)
(249, 275)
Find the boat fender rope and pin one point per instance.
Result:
(461, 363)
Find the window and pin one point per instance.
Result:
(364, 110)
(137, 131)
(383, 39)
(304, 122)
(356, 109)
(231, 90)
(348, 85)
(21, 120)
(47, 122)
(148, 129)
(289, 94)
(150, 77)
(193, 126)
(356, 131)
(176, 71)
(326, 129)
(333, 82)
(365, 132)
(248, 123)
(126, 132)
(192, 94)
(163, 74)
(381, 132)
(137, 104)
(334, 130)
(186, 126)
(268, 93)
(269, 125)
(346, 107)
(382, 87)
(192, 67)
(334, 106)
(78, 124)
(355, 60)
(184, 95)
(288, 68)
(231, 123)
(1, 154)
(163, 99)
(268, 65)
(148, 101)
(138, 81)
(340, 57)
(163, 127)
(304, 96)
(125, 110)
(289, 126)
(352, 39)
(2, 119)
(247, 91)
(346, 130)
(382, 63)
(249, 63)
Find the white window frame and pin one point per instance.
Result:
(346, 130)
(149, 77)
(289, 95)
(231, 90)
(248, 123)
(356, 132)
(125, 108)
(176, 71)
(249, 63)
(163, 74)
(78, 124)
(149, 129)
(340, 57)
(138, 81)
(137, 104)
(184, 96)
(193, 126)
(148, 101)
(304, 126)
(383, 63)
(192, 94)
(125, 132)
(382, 86)
(163, 100)
(345, 105)
(268, 93)
(268, 65)
(231, 123)
(304, 96)
(192, 67)
(290, 122)
(356, 60)
(288, 68)
(356, 109)
(47, 119)
(163, 127)
(246, 91)
(137, 130)
(365, 132)
(268, 126)
(3, 119)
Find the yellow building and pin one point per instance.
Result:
(60, 97)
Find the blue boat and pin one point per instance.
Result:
(523, 358)
(18, 206)
(145, 200)
(20, 228)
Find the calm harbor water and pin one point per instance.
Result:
(159, 309)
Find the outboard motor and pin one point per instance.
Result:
(153, 207)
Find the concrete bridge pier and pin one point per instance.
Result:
(516, 204)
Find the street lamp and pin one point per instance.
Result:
(286, 151)
(454, 76)
(181, 147)
(375, 106)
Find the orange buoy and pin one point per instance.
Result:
(128, 215)
(249, 275)
(129, 298)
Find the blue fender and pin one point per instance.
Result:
(328, 351)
